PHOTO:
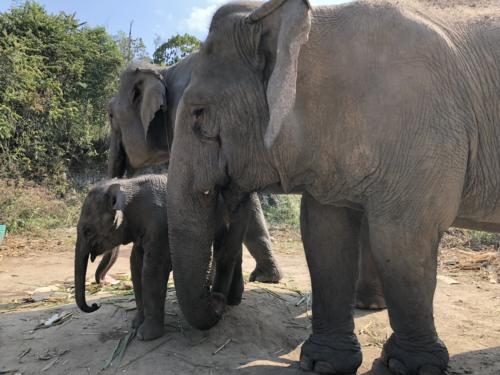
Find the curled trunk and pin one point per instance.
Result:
(81, 261)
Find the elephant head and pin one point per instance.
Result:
(142, 114)
(101, 227)
(242, 89)
(138, 118)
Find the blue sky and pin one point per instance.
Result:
(151, 17)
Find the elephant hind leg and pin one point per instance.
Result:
(258, 243)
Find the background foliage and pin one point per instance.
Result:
(57, 77)
(175, 49)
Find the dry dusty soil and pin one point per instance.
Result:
(261, 336)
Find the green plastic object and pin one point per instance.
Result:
(3, 229)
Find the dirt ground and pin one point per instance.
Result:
(261, 336)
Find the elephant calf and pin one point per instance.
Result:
(119, 211)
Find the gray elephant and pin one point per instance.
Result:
(147, 101)
(385, 118)
(118, 212)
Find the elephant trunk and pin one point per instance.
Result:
(191, 235)
(81, 261)
(117, 163)
(106, 263)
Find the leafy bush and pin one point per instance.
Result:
(281, 211)
(478, 240)
(175, 49)
(57, 77)
(25, 206)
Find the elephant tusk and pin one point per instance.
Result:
(206, 192)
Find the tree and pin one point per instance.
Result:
(57, 78)
(175, 49)
(130, 48)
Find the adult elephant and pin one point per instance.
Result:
(149, 94)
(146, 103)
(388, 122)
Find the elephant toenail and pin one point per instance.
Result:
(397, 368)
(306, 363)
(323, 367)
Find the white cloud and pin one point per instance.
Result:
(199, 19)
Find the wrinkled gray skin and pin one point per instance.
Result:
(117, 212)
(379, 115)
(150, 95)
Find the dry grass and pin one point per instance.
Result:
(26, 207)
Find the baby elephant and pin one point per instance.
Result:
(119, 211)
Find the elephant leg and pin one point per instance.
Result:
(369, 292)
(331, 236)
(136, 258)
(228, 279)
(155, 273)
(237, 285)
(407, 260)
(258, 243)
(105, 264)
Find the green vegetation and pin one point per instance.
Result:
(27, 207)
(282, 211)
(175, 49)
(478, 240)
(57, 77)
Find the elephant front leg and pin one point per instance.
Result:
(258, 243)
(155, 273)
(228, 249)
(331, 237)
(136, 258)
(369, 291)
(407, 260)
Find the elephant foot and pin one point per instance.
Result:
(150, 330)
(138, 319)
(331, 354)
(369, 297)
(270, 274)
(408, 357)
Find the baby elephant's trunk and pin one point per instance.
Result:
(81, 261)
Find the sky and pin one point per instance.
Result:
(151, 18)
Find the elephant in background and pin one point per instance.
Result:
(384, 117)
(146, 103)
(117, 212)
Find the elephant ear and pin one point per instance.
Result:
(116, 202)
(150, 94)
(287, 23)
